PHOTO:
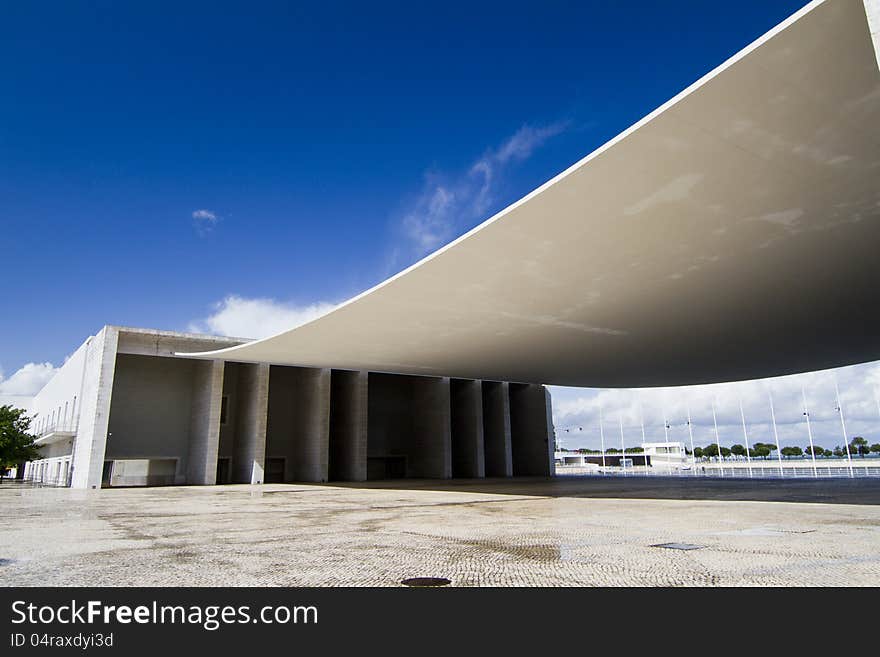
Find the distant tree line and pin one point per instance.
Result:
(858, 447)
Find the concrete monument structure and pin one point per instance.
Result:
(730, 234)
(126, 410)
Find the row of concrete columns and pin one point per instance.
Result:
(320, 424)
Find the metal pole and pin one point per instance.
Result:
(622, 448)
(717, 438)
(666, 437)
(843, 427)
(602, 438)
(691, 434)
(809, 431)
(775, 434)
(642, 422)
(745, 436)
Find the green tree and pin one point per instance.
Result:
(791, 451)
(725, 452)
(769, 447)
(16, 441)
(875, 448)
(635, 450)
(738, 450)
(828, 453)
(818, 451)
(838, 451)
(859, 446)
(711, 450)
(698, 452)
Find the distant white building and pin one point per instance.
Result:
(667, 454)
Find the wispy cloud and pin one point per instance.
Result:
(578, 410)
(204, 221)
(257, 317)
(449, 203)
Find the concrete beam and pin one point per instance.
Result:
(468, 455)
(249, 449)
(496, 429)
(349, 402)
(531, 430)
(94, 417)
(431, 451)
(204, 435)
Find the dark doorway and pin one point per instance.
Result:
(386, 467)
(274, 471)
(223, 471)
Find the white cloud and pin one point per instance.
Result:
(447, 204)
(19, 389)
(257, 318)
(204, 220)
(577, 409)
(28, 380)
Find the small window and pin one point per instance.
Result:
(223, 405)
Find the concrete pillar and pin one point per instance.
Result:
(204, 432)
(311, 426)
(249, 449)
(431, 446)
(531, 430)
(872, 11)
(349, 402)
(496, 429)
(468, 456)
(94, 416)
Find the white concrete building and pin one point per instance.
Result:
(127, 410)
(670, 455)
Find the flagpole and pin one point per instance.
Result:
(602, 438)
(666, 438)
(691, 434)
(717, 438)
(642, 422)
(622, 448)
(775, 434)
(809, 431)
(745, 435)
(843, 427)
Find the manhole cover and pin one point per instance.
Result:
(678, 546)
(426, 581)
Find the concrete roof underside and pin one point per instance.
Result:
(731, 234)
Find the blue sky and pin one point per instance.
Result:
(225, 166)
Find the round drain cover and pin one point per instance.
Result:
(426, 581)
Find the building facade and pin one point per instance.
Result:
(126, 410)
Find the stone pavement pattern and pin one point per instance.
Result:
(314, 535)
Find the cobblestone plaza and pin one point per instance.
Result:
(575, 531)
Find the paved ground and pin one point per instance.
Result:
(570, 531)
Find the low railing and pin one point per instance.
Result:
(57, 427)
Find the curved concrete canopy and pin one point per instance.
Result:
(731, 234)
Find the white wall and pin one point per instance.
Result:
(57, 404)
